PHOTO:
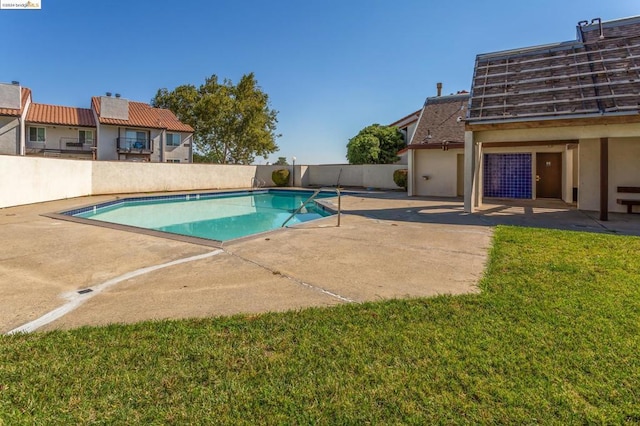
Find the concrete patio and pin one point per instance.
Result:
(388, 246)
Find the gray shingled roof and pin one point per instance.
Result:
(597, 74)
(441, 120)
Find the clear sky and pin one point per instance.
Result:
(330, 67)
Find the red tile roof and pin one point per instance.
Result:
(61, 115)
(25, 93)
(144, 115)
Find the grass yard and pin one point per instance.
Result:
(553, 338)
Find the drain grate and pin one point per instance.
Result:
(85, 291)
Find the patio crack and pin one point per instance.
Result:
(294, 279)
(77, 298)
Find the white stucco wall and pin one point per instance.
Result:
(181, 152)
(558, 133)
(411, 130)
(107, 142)
(157, 142)
(624, 170)
(10, 96)
(366, 175)
(589, 175)
(114, 107)
(42, 179)
(53, 134)
(263, 174)
(624, 155)
(124, 177)
(584, 170)
(379, 175)
(9, 132)
(46, 179)
(440, 168)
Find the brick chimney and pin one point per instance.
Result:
(439, 87)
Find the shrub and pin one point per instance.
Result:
(280, 177)
(400, 177)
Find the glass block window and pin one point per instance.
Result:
(507, 175)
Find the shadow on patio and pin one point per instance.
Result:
(553, 214)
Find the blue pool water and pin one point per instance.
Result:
(217, 216)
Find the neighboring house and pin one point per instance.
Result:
(112, 129)
(135, 131)
(407, 126)
(14, 103)
(436, 150)
(557, 121)
(60, 130)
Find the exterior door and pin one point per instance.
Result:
(460, 183)
(549, 175)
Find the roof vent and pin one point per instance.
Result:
(439, 88)
(117, 95)
(15, 82)
(108, 94)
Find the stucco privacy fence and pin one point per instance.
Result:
(26, 180)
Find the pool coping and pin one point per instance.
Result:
(66, 216)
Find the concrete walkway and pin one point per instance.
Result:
(389, 246)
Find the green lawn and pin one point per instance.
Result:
(553, 338)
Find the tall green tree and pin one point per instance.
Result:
(232, 123)
(375, 144)
(282, 161)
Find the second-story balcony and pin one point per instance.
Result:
(64, 144)
(134, 145)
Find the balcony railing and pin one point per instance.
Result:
(134, 145)
(62, 144)
(74, 144)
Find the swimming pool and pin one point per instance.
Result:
(216, 216)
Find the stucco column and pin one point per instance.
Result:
(469, 171)
(410, 178)
(604, 179)
(163, 145)
(22, 137)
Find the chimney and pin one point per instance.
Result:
(439, 87)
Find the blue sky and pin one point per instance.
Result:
(330, 67)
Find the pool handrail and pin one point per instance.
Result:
(311, 198)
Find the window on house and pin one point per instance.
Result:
(136, 139)
(173, 161)
(36, 134)
(85, 137)
(136, 135)
(173, 139)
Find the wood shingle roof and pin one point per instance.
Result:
(441, 121)
(596, 75)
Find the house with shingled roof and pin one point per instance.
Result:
(14, 104)
(436, 150)
(407, 126)
(58, 130)
(559, 121)
(112, 129)
(135, 131)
